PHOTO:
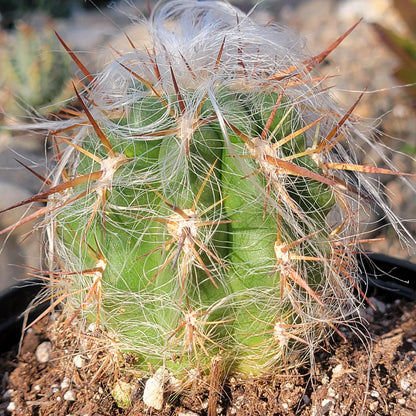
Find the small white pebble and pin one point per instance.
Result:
(78, 361)
(153, 393)
(59, 398)
(187, 413)
(11, 407)
(154, 388)
(43, 352)
(332, 392)
(70, 396)
(55, 388)
(375, 394)
(66, 382)
(285, 406)
(92, 327)
(401, 401)
(36, 387)
(327, 405)
(337, 369)
(204, 405)
(7, 395)
(405, 384)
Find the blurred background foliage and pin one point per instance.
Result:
(403, 45)
(13, 10)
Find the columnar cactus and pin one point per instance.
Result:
(207, 199)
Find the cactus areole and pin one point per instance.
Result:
(207, 199)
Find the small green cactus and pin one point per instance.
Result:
(34, 74)
(208, 198)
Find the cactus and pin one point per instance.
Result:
(207, 200)
(34, 77)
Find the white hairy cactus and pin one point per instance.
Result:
(208, 197)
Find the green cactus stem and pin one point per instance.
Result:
(204, 203)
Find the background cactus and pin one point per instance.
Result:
(34, 74)
(208, 197)
(403, 46)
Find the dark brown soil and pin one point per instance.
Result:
(357, 377)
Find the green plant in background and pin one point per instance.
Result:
(208, 198)
(403, 47)
(34, 73)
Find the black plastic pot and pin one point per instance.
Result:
(388, 277)
(13, 304)
(383, 276)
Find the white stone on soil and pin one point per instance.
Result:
(11, 407)
(154, 388)
(337, 369)
(375, 394)
(7, 395)
(43, 352)
(327, 405)
(78, 361)
(93, 327)
(405, 384)
(70, 396)
(66, 382)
